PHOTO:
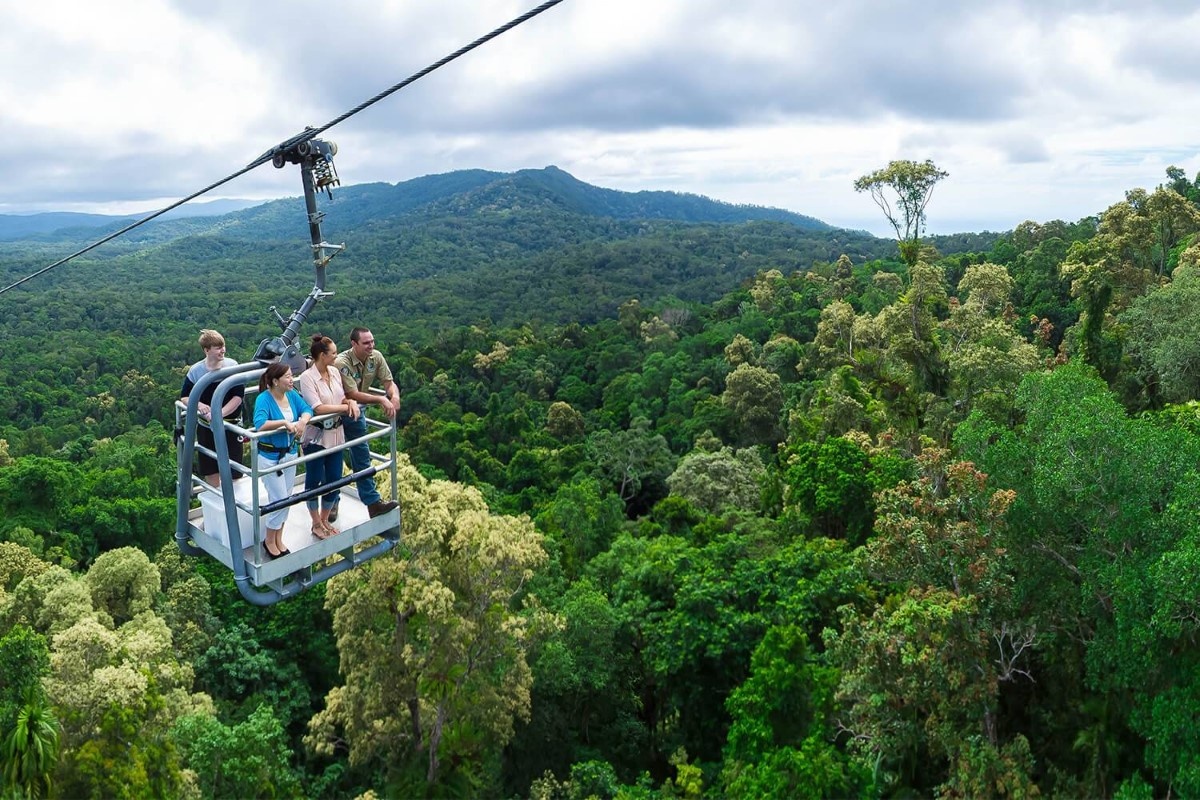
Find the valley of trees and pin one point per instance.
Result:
(693, 508)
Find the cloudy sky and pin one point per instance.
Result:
(1038, 109)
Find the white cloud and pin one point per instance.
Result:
(126, 75)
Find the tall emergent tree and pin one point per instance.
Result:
(921, 676)
(913, 185)
(433, 642)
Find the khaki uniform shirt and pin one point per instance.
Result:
(360, 376)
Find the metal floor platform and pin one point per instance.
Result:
(209, 531)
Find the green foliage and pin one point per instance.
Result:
(186, 604)
(36, 493)
(24, 659)
(122, 759)
(1040, 290)
(585, 700)
(243, 675)
(592, 779)
(714, 480)
(114, 690)
(754, 397)
(116, 495)
(50, 601)
(1161, 329)
(919, 679)
(780, 741)
(123, 583)
(580, 521)
(564, 422)
(694, 614)
(247, 760)
(633, 462)
(983, 770)
(29, 753)
(17, 563)
(1114, 569)
(830, 484)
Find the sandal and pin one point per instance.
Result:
(319, 530)
(329, 529)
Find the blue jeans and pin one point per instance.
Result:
(319, 472)
(360, 458)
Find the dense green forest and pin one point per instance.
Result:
(694, 506)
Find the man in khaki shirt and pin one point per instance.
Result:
(362, 367)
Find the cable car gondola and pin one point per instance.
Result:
(228, 523)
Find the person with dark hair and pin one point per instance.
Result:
(361, 367)
(282, 409)
(213, 345)
(321, 387)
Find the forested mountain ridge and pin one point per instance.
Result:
(455, 193)
(552, 185)
(461, 236)
(844, 525)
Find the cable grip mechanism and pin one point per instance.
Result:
(313, 155)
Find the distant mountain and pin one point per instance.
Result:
(69, 224)
(373, 204)
(14, 227)
(210, 208)
(553, 186)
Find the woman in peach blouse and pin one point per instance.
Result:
(321, 386)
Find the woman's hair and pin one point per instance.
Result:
(273, 373)
(211, 339)
(320, 343)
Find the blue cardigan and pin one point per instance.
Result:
(265, 408)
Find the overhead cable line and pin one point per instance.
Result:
(306, 135)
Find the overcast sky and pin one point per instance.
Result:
(1038, 109)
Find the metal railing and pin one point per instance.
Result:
(264, 580)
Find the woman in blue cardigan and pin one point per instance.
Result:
(280, 408)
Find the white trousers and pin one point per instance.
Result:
(279, 485)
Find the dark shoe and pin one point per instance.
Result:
(380, 508)
(333, 514)
(280, 554)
